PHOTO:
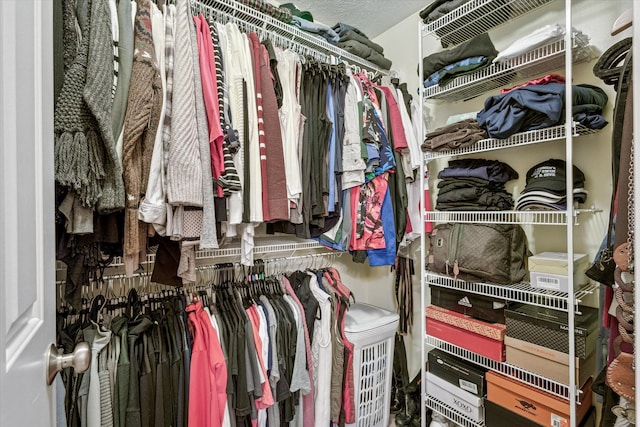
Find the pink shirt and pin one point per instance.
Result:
(208, 373)
(397, 129)
(373, 233)
(210, 95)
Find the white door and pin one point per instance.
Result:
(27, 257)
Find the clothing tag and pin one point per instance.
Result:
(613, 307)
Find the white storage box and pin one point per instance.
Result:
(548, 270)
(372, 331)
(456, 398)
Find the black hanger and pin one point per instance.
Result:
(134, 306)
(96, 305)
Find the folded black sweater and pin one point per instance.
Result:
(478, 46)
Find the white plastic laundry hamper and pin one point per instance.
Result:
(372, 331)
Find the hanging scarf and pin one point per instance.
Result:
(404, 269)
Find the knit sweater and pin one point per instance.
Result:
(140, 126)
(98, 96)
(78, 154)
(184, 168)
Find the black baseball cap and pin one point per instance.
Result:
(550, 175)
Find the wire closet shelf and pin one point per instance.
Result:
(553, 387)
(282, 34)
(526, 66)
(266, 246)
(518, 292)
(506, 217)
(519, 139)
(476, 17)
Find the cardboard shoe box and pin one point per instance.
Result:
(483, 338)
(548, 363)
(457, 372)
(548, 328)
(549, 270)
(496, 415)
(477, 306)
(462, 401)
(533, 404)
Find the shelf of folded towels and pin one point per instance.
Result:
(264, 246)
(501, 72)
(506, 217)
(451, 414)
(455, 21)
(537, 136)
(283, 33)
(511, 371)
(518, 292)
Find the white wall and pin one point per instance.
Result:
(591, 153)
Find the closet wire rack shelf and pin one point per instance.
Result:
(553, 387)
(534, 63)
(519, 292)
(517, 140)
(268, 246)
(476, 17)
(285, 34)
(507, 217)
(451, 414)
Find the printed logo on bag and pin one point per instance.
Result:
(439, 242)
(527, 407)
(462, 405)
(465, 302)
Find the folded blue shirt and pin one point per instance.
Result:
(434, 78)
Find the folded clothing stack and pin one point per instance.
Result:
(280, 13)
(356, 42)
(546, 187)
(464, 133)
(303, 19)
(538, 106)
(475, 185)
(442, 67)
(438, 9)
(540, 37)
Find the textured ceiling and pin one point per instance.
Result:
(373, 17)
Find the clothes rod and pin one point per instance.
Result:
(282, 34)
(272, 266)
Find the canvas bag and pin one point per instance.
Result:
(479, 252)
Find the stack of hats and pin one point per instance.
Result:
(546, 187)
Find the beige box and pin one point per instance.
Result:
(557, 263)
(548, 270)
(547, 362)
